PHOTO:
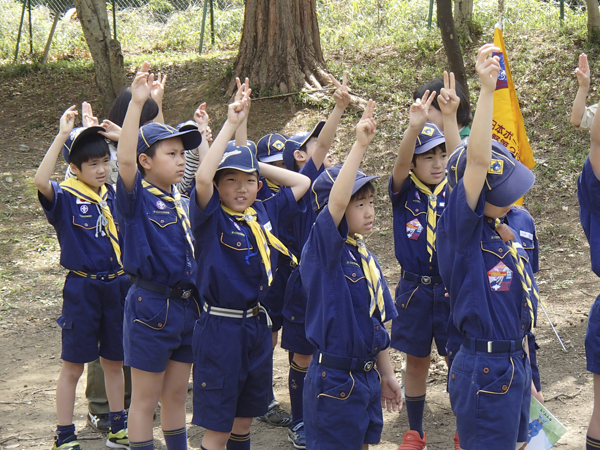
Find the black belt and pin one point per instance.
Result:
(481, 345)
(176, 292)
(423, 279)
(344, 362)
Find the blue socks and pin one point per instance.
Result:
(296, 387)
(591, 443)
(238, 442)
(63, 432)
(415, 407)
(117, 420)
(176, 439)
(146, 445)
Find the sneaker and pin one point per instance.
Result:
(276, 416)
(120, 439)
(412, 441)
(99, 422)
(456, 444)
(69, 444)
(297, 436)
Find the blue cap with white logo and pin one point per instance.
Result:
(297, 141)
(270, 147)
(430, 137)
(153, 132)
(239, 157)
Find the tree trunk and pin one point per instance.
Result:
(463, 11)
(280, 50)
(451, 44)
(593, 21)
(106, 52)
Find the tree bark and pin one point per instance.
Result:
(280, 50)
(593, 24)
(106, 52)
(451, 44)
(463, 11)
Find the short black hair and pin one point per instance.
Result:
(365, 190)
(463, 115)
(442, 148)
(88, 147)
(119, 109)
(151, 152)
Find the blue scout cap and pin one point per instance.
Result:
(75, 138)
(239, 157)
(297, 141)
(153, 132)
(186, 126)
(270, 147)
(430, 137)
(321, 187)
(507, 179)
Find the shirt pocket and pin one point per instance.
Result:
(163, 220)
(236, 241)
(86, 223)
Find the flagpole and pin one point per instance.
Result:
(500, 15)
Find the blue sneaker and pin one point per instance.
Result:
(297, 437)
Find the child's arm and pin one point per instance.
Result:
(157, 93)
(391, 392)
(595, 146)
(419, 112)
(241, 134)
(325, 139)
(479, 150)
(297, 182)
(127, 148)
(449, 102)
(583, 78)
(44, 172)
(342, 188)
(210, 163)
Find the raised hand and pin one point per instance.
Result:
(67, 120)
(583, 71)
(113, 131)
(201, 117)
(366, 127)
(158, 88)
(448, 101)
(341, 94)
(488, 66)
(419, 110)
(239, 109)
(87, 116)
(142, 84)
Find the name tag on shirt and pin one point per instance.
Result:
(526, 235)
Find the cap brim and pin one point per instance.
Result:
(190, 138)
(271, 158)
(512, 188)
(429, 145)
(361, 182)
(86, 132)
(314, 132)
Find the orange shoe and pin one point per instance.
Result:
(412, 441)
(456, 444)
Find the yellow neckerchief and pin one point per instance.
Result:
(274, 187)
(264, 238)
(431, 209)
(175, 201)
(82, 191)
(507, 236)
(372, 275)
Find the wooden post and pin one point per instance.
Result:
(203, 26)
(430, 15)
(30, 28)
(212, 22)
(19, 34)
(50, 36)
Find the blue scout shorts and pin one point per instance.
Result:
(342, 410)
(423, 312)
(233, 369)
(92, 318)
(293, 337)
(592, 338)
(157, 328)
(490, 394)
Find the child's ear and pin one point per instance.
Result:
(74, 169)
(299, 155)
(145, 161)
(260, 183)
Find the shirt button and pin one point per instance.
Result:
(430, 267)
(500, 250)
(489, 220)
(417, 210)
(203, 384)
(453, 376)
(449, 353)
(86, 224)
(139, 299)
(525, 304)
(342, 394)
(403, 307)
(261, 288)
(522, 327)
(238, 244)
(323, 374)
(376, 348)
(377, 328)
(111, 258)
(353, 275)
(504, 388)
(160, 325)
(293, 318)
(187, 273)
(162, 221)
(486, 370)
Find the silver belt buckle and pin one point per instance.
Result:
(489, 347)
(368, 366)
(425, 280)
(186, 294)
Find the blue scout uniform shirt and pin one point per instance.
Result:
(222, 245)
(75, 223)
(410, 228)
(588, 192)
(519, 219)
(486, 295)
(155, 245)
(338, 300)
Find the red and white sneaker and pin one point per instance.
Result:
(412, 441)
(456, 444)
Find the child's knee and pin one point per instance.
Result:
(241, 425)
(111, 366)
(302, 360)
(71, 370)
